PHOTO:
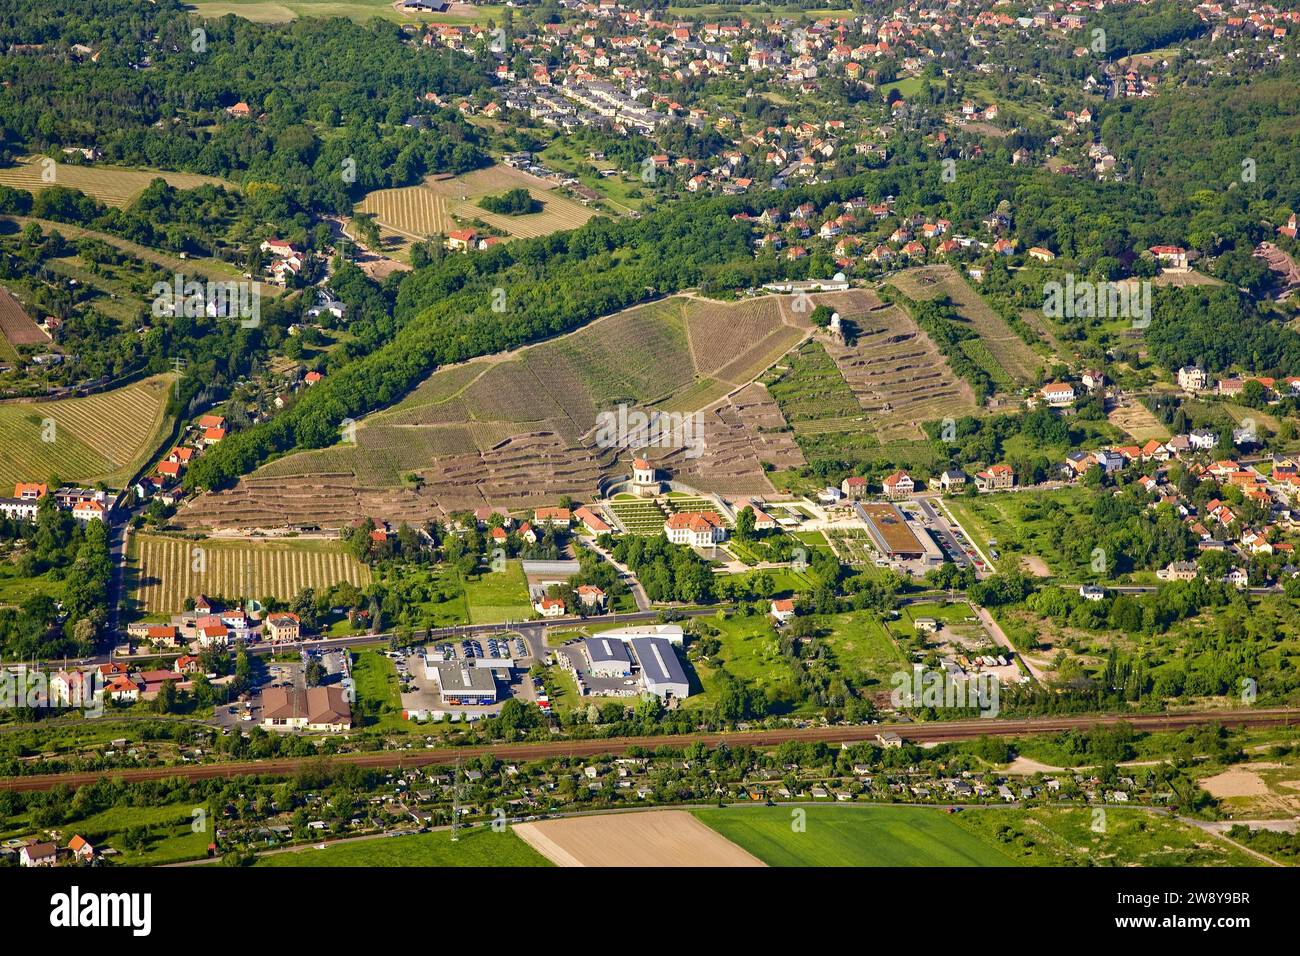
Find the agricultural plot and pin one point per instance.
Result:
(852, 546)
(743, 436)
(1139, 422)
(462, 193)
(481, 846)
(410, 214)
(1007, 359)
(111, 185)
(844, 399)
(637, 515)
(282, 11)
(854, 836)
(520, 429)
(811, 391)
(652, 838)
(16, 326)
(766, 328)
(168, 570)
(104, 437)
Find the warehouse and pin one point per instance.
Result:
(889, 531)
(661, 671)
(608, 658)
(464, 686)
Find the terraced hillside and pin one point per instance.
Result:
(520, 429)
(879, 389)
(999, 350)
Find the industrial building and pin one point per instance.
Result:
(672, 633)
(463, 685)
(661, 672)
(890, 533)
(608, 657)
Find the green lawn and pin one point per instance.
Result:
(854, 836)
(495, 597)
(477, 847)
(379, 702)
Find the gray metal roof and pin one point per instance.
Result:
(602, 649)
(659, 664)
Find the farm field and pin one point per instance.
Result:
(921, 836)
(653, 838)
(852, 546)
(441, 204)
(16, 326)
(519, 429)
(282, 11)
(854, 836)
(637, 515)
(463, 193)
(168, 570)
(1005, 355)
(104, 437)
(480, 846)
(111, 185)
(1139, 422)
(897, 376)
(812, 392)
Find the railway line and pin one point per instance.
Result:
(447, 756)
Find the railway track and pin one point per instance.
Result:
(446, 756)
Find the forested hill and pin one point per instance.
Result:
(319, 91)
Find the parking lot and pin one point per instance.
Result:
(238, 714)
(421, 694)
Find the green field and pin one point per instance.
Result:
(496, 597)
(104, 437)
(1033, 523)
(854, 836)
(379, 701)
(987, 836)
(477, 847)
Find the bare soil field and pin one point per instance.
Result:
(1136, 419)
(16, 325)
(655, 838)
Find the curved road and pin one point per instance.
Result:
(445, 756)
